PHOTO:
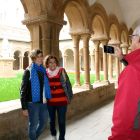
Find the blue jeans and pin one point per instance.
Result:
(38, 115)
(61, 113)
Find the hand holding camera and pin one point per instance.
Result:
(108, 49)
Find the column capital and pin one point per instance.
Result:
(44, 18)
(104, 42)
(64, 55)
(124, 45)
(114, 42)
(76, 37)
(86, 38)
(96, 43)
(21, 56)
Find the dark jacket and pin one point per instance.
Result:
(25, 90)
(66, 86)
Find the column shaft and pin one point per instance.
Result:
(105, 63)
(110, 67)
(64, 61)
(92, 62)
(76, 39)
(97, 71)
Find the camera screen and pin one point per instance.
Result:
(108, 49)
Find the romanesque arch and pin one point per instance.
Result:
(79, 21)
(99, 21)
(16, 64)
(114, 29)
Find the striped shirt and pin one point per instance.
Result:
(58, 95)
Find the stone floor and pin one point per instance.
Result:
(92, 125)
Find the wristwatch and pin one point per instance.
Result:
(124, 61)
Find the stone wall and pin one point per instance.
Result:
(14, 126)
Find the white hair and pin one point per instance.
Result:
(137, 30)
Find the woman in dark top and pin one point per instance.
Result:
(34, 91)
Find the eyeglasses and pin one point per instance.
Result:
(131, 37)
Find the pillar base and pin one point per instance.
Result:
(77, 86)
(114, 80)
(111, 78)
(87, 86)
(105, 82)
(97, 82)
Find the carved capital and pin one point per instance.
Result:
(43, 19)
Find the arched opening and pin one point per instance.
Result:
(16, 64)
(25, 60)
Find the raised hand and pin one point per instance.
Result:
(117, 52)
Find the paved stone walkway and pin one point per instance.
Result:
(92, 125)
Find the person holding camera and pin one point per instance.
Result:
(127, 101)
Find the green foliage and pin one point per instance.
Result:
(9, 87)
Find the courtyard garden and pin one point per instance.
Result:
(9, 87)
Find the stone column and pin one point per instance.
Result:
(64, 61)
(46, 39)
(92, 62)
(110, 67)
(76, 39)
(116, 43)
(35, 35)
(105, 64)
(21, 62)
(86, 84)
(80, 56)
(44, 32)
(97, 71)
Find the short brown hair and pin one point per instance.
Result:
(34, 54)
(48, 57)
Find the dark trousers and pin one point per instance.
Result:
(61, 113)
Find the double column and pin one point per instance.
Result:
(114, 43)
(64, 61)
(21, 62)
(50, 42)
(92, 62)
(44, 32)
(86, 84)
(76, 39)
(105, 63)
(97, 71)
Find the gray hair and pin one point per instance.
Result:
(137, 30)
